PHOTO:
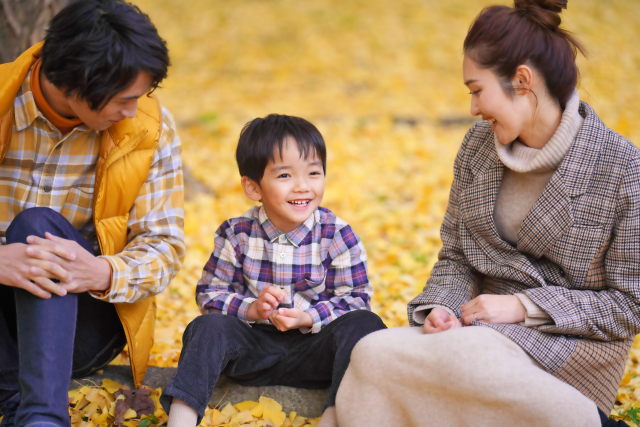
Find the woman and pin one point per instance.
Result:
(540, 260)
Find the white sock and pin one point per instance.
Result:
(329, 418)
(182, 415)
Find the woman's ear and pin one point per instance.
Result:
(251, 189)
(523, 79)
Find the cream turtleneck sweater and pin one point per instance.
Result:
(527, 172)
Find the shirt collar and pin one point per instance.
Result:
(295, 236)
(25, 110)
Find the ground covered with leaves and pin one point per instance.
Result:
(383, 83)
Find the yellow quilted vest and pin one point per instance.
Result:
(126, 152)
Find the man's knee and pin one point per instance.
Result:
(33, 222)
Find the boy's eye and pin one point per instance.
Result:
(284, 175)
(315, 173)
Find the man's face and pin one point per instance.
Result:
(292, 187)
(123, 105)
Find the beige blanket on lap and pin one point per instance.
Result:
(472, 376)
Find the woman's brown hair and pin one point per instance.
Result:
(502, 38)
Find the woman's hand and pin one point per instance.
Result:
(493, 309)
(440, 320)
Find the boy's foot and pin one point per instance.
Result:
(9, 411)
(329, 418)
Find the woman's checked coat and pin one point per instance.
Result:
(577, 256)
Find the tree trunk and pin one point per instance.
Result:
(23, 24)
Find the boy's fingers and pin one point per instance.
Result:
(270, 299)
(287, 312)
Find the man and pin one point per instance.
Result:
(91, 205)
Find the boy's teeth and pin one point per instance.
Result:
(294, 202)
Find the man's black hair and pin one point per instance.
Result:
(95, 49)
(260, 138)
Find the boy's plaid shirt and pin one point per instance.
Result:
(321, 266)
(43, 168)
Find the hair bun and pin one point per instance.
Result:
(544, 12)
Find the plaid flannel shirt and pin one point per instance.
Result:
(321, 266)
(44, 169)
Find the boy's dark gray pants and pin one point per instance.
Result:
(215, 344)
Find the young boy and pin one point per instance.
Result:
(285, 295)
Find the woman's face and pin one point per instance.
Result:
(508, 115)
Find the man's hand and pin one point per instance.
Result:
(493, 309)
(267, 303)
(86, 272)
(290, 318)
(19, 269)
(440, 320)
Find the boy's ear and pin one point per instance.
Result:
(251, 189)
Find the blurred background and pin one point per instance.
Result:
(382, 80)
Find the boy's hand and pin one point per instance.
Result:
(290, 318)
(266, 304)
(440, 320)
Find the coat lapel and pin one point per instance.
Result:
(552, 215)
(479, 198)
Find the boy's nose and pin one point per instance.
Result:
(302, 186)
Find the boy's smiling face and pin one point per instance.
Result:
(291, 189)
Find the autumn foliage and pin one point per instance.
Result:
(382, 81)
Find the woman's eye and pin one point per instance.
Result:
(475, 92)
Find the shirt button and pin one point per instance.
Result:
(282, 255)
(283, 238)
(562, 273)
(47, 188)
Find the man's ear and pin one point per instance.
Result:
(251, 189)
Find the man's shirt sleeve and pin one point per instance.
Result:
(347, 276)
(155, 251)
(220, 290)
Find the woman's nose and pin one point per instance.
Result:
(474, 108)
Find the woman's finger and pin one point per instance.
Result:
(469, 305)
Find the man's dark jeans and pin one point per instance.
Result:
(215, 344)
(44, 341)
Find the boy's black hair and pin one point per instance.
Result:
(95, 49)
(260, 138)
